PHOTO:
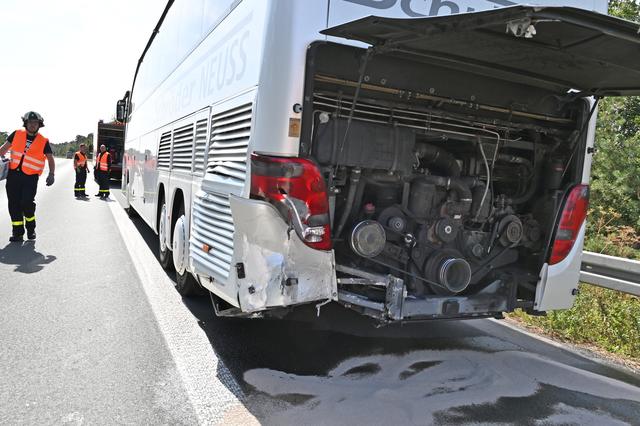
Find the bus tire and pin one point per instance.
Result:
(185, 284)
(164, 254)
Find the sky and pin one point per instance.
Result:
(69, 60)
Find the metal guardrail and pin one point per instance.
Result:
(611, 272)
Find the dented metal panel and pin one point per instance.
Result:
(279, 269)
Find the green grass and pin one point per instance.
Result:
(601, 317)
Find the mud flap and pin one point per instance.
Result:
(274, 267)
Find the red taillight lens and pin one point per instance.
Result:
(295, 186)
(573, 216)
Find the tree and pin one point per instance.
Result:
(61, 149)
(616, 166)
(626, 9)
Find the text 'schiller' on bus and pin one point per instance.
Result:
(404, 165)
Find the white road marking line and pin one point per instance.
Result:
(211, 388)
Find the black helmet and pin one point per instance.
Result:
(32, 115)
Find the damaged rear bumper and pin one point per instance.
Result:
(278, 269)
(398, 305)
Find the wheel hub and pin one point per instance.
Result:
(162, 231)
(180, 245)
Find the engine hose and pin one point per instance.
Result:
(351, 196)
(533, 187)
(459, 185)
(439, 159)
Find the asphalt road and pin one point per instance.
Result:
(92, 333)
(79, 343)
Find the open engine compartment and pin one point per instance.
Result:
(444, 181)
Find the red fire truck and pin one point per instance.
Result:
(112, 136)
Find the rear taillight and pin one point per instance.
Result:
(296, 187)
(573, 216)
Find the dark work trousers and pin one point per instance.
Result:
(21, 193)
(81, 180)
(103, 181)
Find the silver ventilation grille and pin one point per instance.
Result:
(182, 152)
(164, 151)
(230, 132)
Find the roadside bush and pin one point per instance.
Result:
(606, 318)
(606, 238)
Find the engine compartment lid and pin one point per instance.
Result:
(556, 48)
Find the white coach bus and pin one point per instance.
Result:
(371, 153)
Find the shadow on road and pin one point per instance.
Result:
(25, 257)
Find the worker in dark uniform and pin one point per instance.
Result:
(29, 150)
(102, 172)
(81, 168)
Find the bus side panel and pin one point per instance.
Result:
(187, 140)
(227, 173)
(225, 63)
(147, 195)
(131, 149)
(294, 25)
(558, 285)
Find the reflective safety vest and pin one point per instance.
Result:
(32, 158)
(103, 162)
(82, 159)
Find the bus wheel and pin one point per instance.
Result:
(166, 260)
(186, 285)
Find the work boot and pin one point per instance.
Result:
(16, 238)
(98, 195)
(31, 235)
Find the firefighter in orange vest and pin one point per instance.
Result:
(102, 172)
(81, 168)
(29, 150)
